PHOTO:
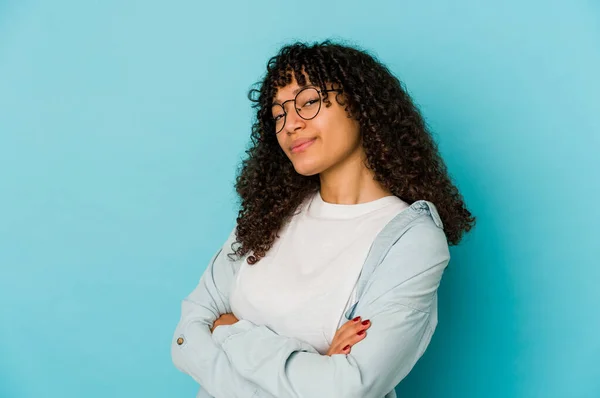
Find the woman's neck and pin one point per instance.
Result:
(351, 183)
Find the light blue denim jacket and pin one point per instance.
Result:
(396, 291)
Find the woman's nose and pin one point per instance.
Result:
(293, 121)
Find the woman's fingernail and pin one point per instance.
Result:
(365, 322)
(361, 333)
(345, 348)
(356, 319)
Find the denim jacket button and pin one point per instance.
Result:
(180, 341)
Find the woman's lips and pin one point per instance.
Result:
(302, 147)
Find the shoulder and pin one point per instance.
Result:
(416, 240)
(226, 256)
(427, 212)
(420, 223)
(425, 227)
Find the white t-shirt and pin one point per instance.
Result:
(306, 281)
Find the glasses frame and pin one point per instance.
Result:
(338, 90)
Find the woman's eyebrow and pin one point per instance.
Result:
(296, 91)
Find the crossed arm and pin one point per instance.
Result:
(247, 360)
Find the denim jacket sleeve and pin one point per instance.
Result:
(398, 299)
(193, 349)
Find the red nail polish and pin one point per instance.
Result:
(361, 333)
(345, 348)
(365, 322)
(356, 319)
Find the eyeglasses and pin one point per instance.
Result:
(307, 104)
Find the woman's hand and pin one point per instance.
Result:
(225, 319)
(348, 335)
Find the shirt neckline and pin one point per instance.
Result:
(318, 208)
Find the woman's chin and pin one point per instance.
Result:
(307, 168)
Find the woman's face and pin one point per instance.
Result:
(320, 144)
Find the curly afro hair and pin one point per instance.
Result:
(399, 149)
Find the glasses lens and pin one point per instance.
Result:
(308, 103)
(278, 117)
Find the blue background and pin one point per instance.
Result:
(121, 127)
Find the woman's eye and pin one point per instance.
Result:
(277, 117)
(311, 102)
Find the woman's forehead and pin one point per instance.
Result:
(289, 91)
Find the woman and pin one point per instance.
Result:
(342, 237)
